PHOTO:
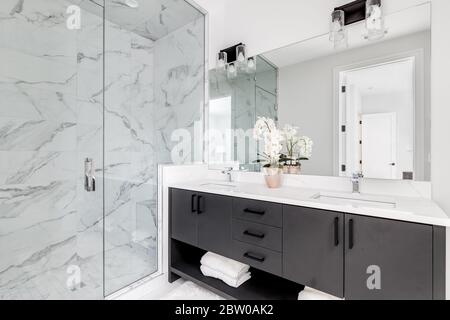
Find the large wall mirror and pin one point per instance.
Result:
(365, 106)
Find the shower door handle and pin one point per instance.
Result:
(89, 179)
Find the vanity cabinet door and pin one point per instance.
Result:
(387, 259)
(183, 207)
(214, 223)
(313, 248)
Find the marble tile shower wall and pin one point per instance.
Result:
(131, 226)
(180, 91)
(50, 120)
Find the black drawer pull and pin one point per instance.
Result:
(199, 204)
(254, 256)
(258, 212)
(350, 234)
(259, 235)
(336, 231)
(193, 209)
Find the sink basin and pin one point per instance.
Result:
(355, 200)
(220, 186)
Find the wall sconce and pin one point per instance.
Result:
(374, 20)
(222, 61)
(234, 60)
(338, 34)
(353, 12)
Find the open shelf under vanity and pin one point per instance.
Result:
(185, 263)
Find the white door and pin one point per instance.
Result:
(379, 147)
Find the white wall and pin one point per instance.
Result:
(265, 25)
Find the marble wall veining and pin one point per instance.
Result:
(131, 241)
(53, 116)
(50, 120)
(180, 91)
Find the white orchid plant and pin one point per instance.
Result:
(296, 147)
(266, 130)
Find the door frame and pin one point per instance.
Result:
(419, 73)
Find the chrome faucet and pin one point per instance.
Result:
(356, 178)
(228, 171)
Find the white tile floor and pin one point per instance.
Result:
(160, 289)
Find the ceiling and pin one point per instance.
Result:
(400, 23)
(153, 19)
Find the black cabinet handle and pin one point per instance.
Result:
(350, 234)
(199, 205)
(193, 209)
(258, 235)
(258, 212)
(254, 256)
(336, 231)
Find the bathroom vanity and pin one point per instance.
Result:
(291, 238)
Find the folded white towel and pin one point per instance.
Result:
(312, 294)
(232, 282)
(229, 267)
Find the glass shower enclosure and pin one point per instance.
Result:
(91, 92)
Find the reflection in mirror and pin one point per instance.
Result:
(365, 107)
(234, 106)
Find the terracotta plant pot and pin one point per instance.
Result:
(294, 169)
(273, 177)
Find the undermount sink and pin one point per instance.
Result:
(356, 200)
(220, 186)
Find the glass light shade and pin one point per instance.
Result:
(222, 61)
(374, 20)
(241, 56)
(231, 71)
(251, 65)
(338, 34)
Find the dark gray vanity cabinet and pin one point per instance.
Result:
(184, 216)
(313, 248)
(346, 255)
(202, 220)
(214, 223)
(387, 259)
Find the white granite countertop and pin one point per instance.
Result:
(418, 210)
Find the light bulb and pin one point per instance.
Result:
(231, 71)
(251, 65)
(241, 57)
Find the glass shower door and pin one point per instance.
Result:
(51, 121)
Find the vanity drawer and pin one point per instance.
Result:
(258, 234)
(258, 211)
(257, 257)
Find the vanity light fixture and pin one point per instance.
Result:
(338, 33)
(234, 60)
(369, 10)
(374, 20)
